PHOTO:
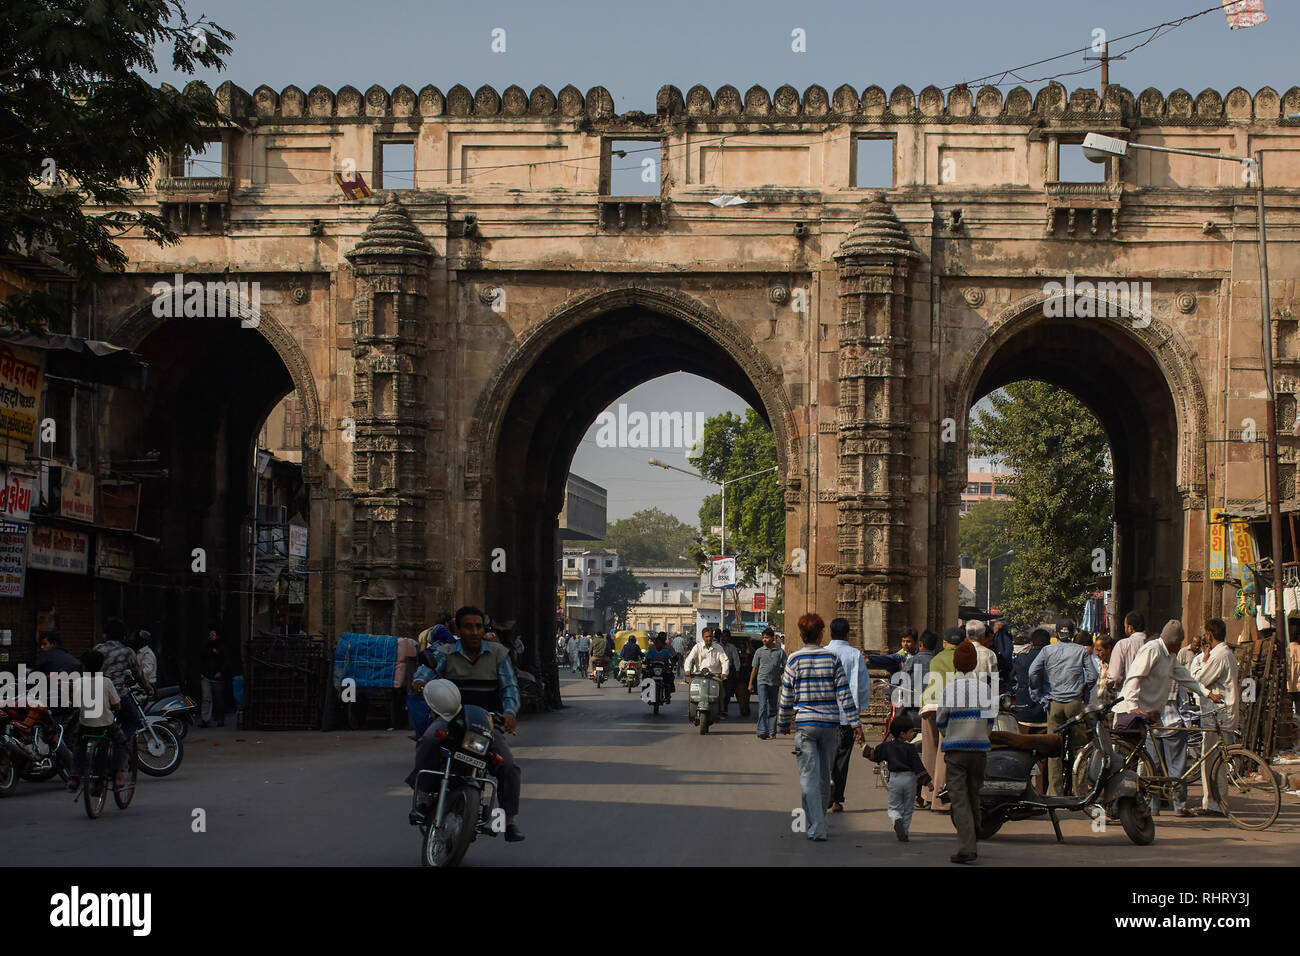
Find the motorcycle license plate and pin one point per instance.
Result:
(472, 761)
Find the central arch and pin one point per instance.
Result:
(533, 412)
(1137, 376)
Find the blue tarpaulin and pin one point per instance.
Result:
(368, 659)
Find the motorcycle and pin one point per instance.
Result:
(705, 701)
(1007, 793)
(174, 707)
(157, 746)
(466, 802)
(654, 688)
(598, 675)
(32, 746)
(632, 675)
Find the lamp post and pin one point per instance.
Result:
(722, 546)
(1097, 148)
(988, 580)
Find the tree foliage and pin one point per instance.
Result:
(1062, 504)
(650, 539)
(83, 127)
(731, 447)
(620, 590)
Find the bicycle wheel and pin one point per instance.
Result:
(94, 788)
(1246, 789)
(123, 795)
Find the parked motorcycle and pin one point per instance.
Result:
(1007, 793)
(654, 688)
(178, 710)
(158, 748)
(704, 704)
(598, 675)
(466, 801)
(32, 746)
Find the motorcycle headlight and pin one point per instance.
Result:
(476, 743)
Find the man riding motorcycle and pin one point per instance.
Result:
(482, 675)
(660, 652)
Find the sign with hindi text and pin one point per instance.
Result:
(17, 493)
(13, 551)
(22, 373)
(77, 495)
(53, 549)
(1218, 540)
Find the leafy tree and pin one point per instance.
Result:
(986, 534)
(620, 590)
(83, 127)
(732, 447)
(650, 539)
(1062, 504)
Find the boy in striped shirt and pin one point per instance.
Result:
(814, 692)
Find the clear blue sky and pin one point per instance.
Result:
(632, 47)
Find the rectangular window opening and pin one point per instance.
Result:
(206, 162)
(873, 162)
(396, 166)
(633, 167)
(1073, 167)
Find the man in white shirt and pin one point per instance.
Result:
(855, 667)
(1216, 668)
(986, 662)
(1126, 648)
(1146, 684)
(707, 656)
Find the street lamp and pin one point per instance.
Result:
(988, 580)
(1098, 148)
(722, 546)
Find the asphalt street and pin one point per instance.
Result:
(605, 783)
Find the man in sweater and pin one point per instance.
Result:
(814, 694)
(1063, 675)
(965, 728)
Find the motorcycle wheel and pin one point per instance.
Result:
(1136, 819)
(1081, 777)
(989, 824)
(94, 789)
(8, 775)
(165, 762)
(179, 726)
(446, 845)
(122, 796)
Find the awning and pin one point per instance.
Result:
(1261, 512)
(87, 360)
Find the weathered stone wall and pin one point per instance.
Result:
(857, 322)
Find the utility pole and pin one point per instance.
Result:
(1105, 59)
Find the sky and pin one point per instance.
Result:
(633, 47)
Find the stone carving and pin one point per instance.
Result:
(827, 570)
(779, 294)
(1186, 302)
(299, 295)
(974, 297)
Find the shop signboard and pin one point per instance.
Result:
(1218, 540)
(13, 554)
(17, 492)
(54, 549)
(22, 375)
(114, 559)
(77, 495)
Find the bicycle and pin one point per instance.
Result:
(1241, 781)
(99, 777)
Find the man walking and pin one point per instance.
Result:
(1126, 649)
(765, 680)
(1217, 670)
(814, 693)
(965, 728)
(941, 673)
(1063, 675)
(855, 667)
(733, 665)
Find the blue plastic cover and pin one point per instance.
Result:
(369, 659)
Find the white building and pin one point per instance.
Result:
(582, 573)
(668, 603)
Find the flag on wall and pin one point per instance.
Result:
(1244, 13)
(354, 187)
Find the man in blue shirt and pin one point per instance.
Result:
(855, 667)
(1062, 675)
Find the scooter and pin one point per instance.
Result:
(704, 705)
(174, 707)
(1007, 793)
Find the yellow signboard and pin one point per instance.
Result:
(1244, 547)
(1218, 540)
(21, 376)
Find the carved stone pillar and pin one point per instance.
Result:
(874, 265)
(391, 328)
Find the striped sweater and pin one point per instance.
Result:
(815, 691)
(960, 720)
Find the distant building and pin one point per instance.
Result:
(985, 485)
(752, 622)
(582, 518)
(582, 573)
(668, 603)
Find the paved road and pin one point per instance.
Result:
(606, 782)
